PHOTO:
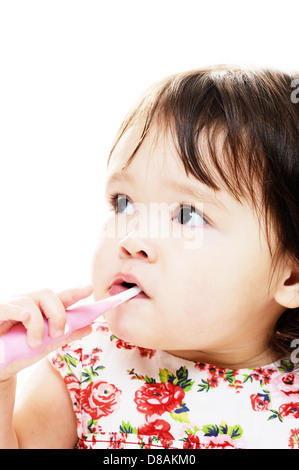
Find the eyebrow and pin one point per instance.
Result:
(117, 177)
(204, 195)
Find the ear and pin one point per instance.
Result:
(287, 293)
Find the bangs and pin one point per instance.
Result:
(220, 162)
(211, 132)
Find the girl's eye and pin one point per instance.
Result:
(122, 205)
(188, 215)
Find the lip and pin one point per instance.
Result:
(116, 285)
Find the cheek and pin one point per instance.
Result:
(183, 282)
(202, 282)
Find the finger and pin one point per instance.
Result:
(78, 334)
(71, 296)
(53, 306)
(10, 315)
(6, 326)
(12, 312)
(34, 324)
(53, 309)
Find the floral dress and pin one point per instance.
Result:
(125, 396)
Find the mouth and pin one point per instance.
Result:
(123, 282)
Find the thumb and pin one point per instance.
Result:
(71, 296)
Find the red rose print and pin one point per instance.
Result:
(144, 352)
(192, 442)
(291, 384)
(93, 358)
(73, 386)
(294, 439)
(159, 428)
(72, 382)
(100, 399)
(262, 374)
(220, 442)
(120, 343)
(260, 402)
(117, 440)
(100, 327)
(289, 409)
(158, 398)
(288, 379)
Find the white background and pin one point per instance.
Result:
(69, 70)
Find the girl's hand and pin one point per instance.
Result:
(30, 310)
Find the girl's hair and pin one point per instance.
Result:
(253, 114)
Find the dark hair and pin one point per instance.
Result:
(258, 121)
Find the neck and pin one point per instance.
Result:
(230, 359)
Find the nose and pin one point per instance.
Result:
(133, 246)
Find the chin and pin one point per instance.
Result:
(129, 335)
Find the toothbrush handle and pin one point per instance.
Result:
(13, 345)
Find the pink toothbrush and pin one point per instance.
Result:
(13, 345)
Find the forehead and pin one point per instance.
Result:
(128, 142)
(157, 152)
(157, 167)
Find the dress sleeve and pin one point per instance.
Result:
(68, 361)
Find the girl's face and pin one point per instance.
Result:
(199, 256)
